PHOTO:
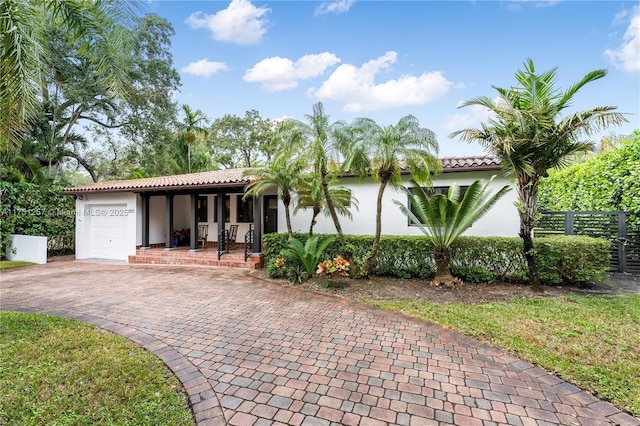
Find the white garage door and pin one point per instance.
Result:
(108, 232)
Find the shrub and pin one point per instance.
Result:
(32, 209)
(308, 256)
(572, 260)
(562, 260)
(338, 267)
(486, 259)
(604, 182)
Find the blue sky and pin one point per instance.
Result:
(387, 59)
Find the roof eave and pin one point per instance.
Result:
(176, 188)
(484, 168)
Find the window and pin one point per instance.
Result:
(202, 211)
(244, 210)
(444, 190)
(227, 207)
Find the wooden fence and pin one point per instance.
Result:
(612, 226)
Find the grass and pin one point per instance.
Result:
(59, 371)
(8, 264)
(592, 342)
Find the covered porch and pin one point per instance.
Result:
(192, 219)
(201, 221)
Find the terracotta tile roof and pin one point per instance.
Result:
(234, 177)
(477, 162)
(465, 164)
(217, 178)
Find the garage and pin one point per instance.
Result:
(107, 231)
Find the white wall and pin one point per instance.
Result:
(27, 248)
(86, 208)
(181, 211)
(181, 217)
(501, 220)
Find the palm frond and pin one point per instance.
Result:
(442, 217)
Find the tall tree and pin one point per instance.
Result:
(73, 97)
(100, 26)
(443, 218)
(192, 125)
(530, 136)
(385, 152)
(283, 174)
(151, 114)
(309, 195)
(317, 141)
(241, 141)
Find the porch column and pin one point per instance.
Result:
(222, 220)
(194, 222)
(168, 222)
(145, 222)
(257, 226)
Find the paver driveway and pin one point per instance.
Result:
(256, 353)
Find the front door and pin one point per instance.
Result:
(270, 214)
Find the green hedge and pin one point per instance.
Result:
(573, 259)
(604, 182)
(561, 260)
(487, 259)
(32, 209)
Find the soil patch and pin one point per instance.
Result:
(388, 288)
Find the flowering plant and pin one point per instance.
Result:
(339, 266)
(279, 263)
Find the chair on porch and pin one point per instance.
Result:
(233, 234)
(203, 232)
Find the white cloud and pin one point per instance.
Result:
(627, 56)
(204, 68)
(471, 117)
(240, 23)
(356, 87)
(620, 18)
(278, 73)
(339, 6)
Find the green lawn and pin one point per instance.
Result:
(593, 342)
(58, 371)
(8, 264)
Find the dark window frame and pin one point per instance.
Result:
(244, 210)
(227, 205)
(202, 209)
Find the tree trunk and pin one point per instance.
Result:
(189, 155)
(372, 262)
(286, 200)
(82, 162)
(442, 257)
(528, 209)
(316, 212)
(330, 206)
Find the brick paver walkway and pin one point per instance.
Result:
(255, 353)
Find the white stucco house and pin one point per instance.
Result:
(115, 219)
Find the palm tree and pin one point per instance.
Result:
(443, 218)
(385, 152)
(530, 137)
(309, 195)
(317, 141)
(191, 126)
(282, 174)
(100, 25)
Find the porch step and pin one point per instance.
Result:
(207, 257)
